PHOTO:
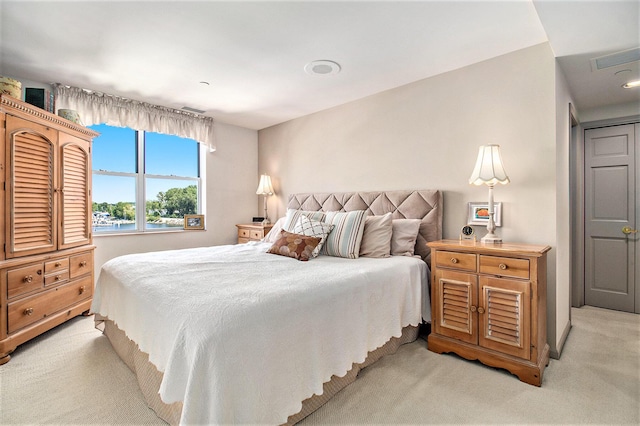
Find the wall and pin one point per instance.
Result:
(610, 112)
(561, 293)
(426, 135)
(231, 174)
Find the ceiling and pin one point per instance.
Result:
(252, 55)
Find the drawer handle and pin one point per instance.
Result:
(502, 266)
(28, 311)
(58, 264)
(57, 278)
(473, 308)
(82, 289)
(83, 263)
(454, 260)
(27, 279)
(480, 310)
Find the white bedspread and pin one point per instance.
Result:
(243, 336)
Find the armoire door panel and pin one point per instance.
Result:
(32, 183)
(75, 181)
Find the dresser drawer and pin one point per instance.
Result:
(244, 233)
(56, 265)
(56, 278)
(504, 266)
(461, 261)
(34, 308)
(80, 264)
(24, 280)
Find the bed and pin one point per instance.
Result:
(233, 334)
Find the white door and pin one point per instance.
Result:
(611, 198)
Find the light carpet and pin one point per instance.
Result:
(71, 375)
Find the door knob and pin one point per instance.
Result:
(627, 230)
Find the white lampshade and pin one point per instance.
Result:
(265, 187)
(489, 169)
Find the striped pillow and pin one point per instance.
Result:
(293, 215)
(346, 236)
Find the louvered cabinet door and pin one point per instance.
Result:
(31, 205)
(504, 316)
(457, 299)
(75, 198)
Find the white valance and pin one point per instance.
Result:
(101, 108)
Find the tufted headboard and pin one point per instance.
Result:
(423, 204)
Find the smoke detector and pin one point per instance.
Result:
(322, 68)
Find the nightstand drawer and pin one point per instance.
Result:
(461, 261)
(252, 232)
(504, 266)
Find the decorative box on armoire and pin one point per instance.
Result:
(46, 261)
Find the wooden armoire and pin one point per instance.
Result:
(46, 262)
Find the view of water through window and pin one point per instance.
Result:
(129, 166)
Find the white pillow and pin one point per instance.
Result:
(312, 228)
(274, 234)
(376, 238)
(293, 215)
(346, 236)
(403, 239)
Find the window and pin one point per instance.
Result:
(137, 168)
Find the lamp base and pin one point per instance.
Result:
(491, 238)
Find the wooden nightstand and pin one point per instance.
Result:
(488, 302)
(252, 232)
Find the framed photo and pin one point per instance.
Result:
(193, 221)
(479, 214)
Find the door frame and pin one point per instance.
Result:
(576, 177)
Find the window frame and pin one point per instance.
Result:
(140, 187)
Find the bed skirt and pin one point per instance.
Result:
(149, 378)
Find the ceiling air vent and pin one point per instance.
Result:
(197, 111)
(619, 58)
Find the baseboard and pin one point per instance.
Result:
(555, 353)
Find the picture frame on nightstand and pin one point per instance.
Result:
(479, 214)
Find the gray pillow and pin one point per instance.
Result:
(376, 239)
(403, 239)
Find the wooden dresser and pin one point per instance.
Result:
(489, 304)
(46, 262)
(252, 231)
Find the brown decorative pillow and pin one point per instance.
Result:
(294, 245)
